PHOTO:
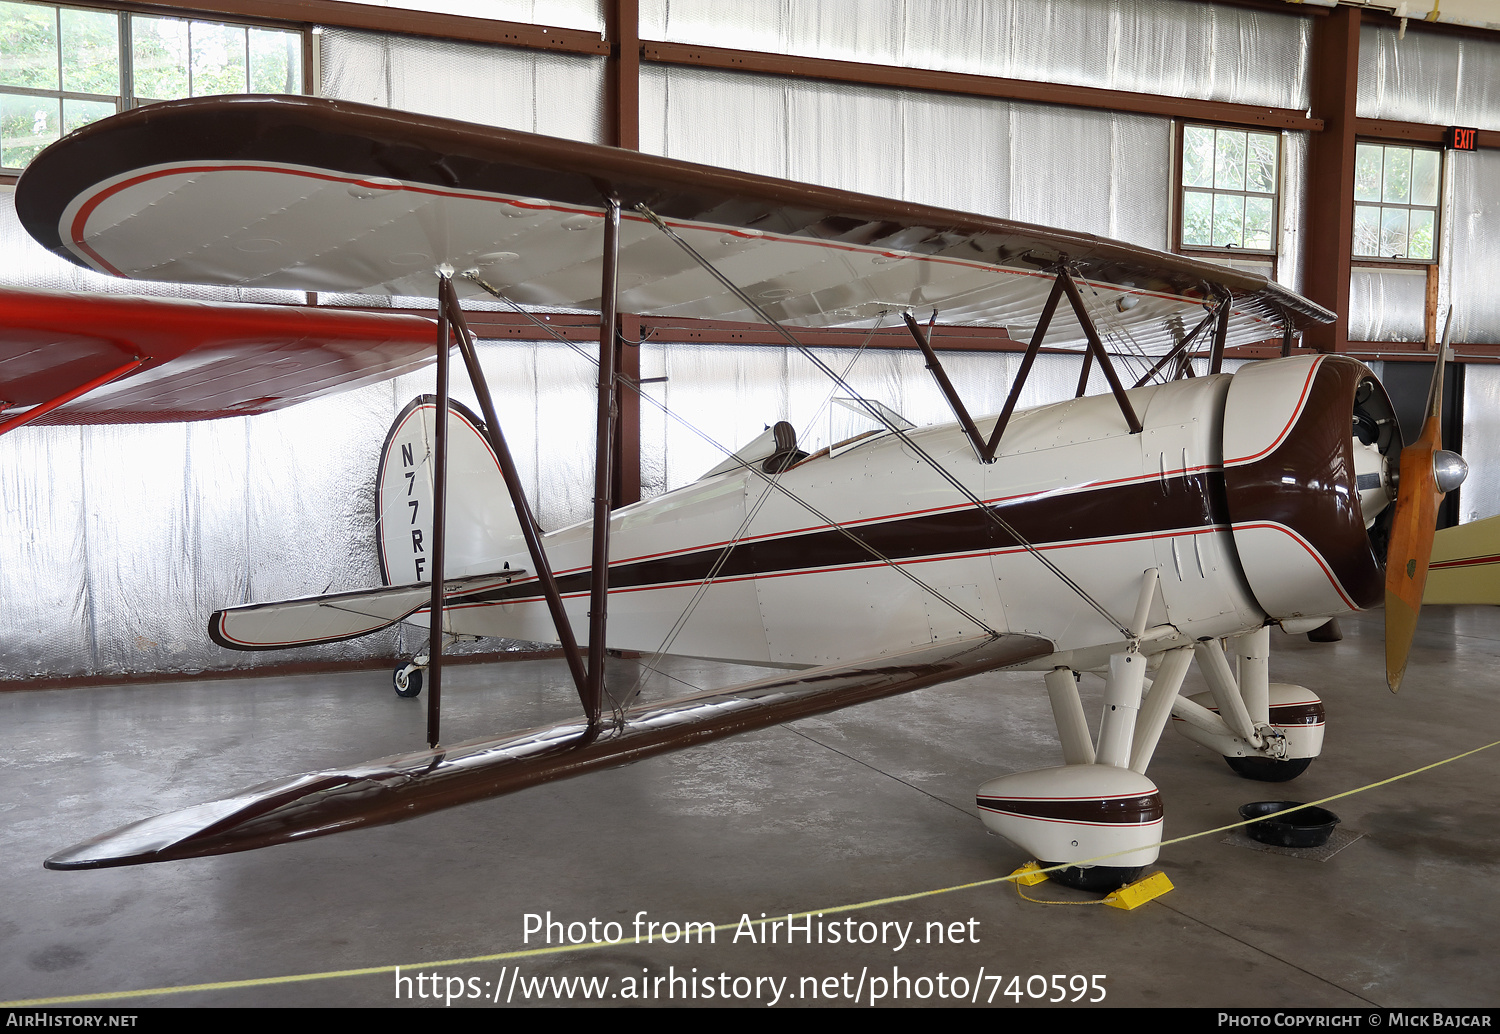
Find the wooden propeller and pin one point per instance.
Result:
(1427, 473)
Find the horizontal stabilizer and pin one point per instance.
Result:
(341, 615)
(401, 787)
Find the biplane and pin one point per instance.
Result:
(1130, 533)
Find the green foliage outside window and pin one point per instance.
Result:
(1396, 192)
(60, 67)
(1229, 179)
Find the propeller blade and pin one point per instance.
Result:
(1419, 492)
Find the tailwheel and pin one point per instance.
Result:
(1269, 770)
(407, 680)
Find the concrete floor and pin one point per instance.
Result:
(870, 803)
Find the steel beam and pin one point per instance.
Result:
(906, 78)
(379, 18)
(1334, 74)
(622, 73)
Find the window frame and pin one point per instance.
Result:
(127, 98)
(1399, 262)
(1180, 190)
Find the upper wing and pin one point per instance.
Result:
(184, 360)
(331, 196)
(402, 787)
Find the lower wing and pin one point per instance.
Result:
(407, 785)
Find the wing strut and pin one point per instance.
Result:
(935, 367)
(987, 450)
(453, 312)
(67, 396)
(1221, 334)
(1083, 376)
(895, 427)
(439, 530)
(1032, 349)
(1179, 350)
(1096, 349)
(603, 454)
(529, 527)
(590, 681)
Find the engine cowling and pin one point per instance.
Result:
(1311, 446)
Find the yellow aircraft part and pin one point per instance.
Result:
(1465, 566)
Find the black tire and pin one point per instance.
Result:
(406, 684)
(1269, 770)
(1096, 879)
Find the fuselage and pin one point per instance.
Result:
(866, 549)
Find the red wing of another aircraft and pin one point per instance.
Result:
(159, 359)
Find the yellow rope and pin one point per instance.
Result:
(229, 985)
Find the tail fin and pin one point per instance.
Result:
(482, 526)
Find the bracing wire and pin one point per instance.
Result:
(753, 468)
(723, 557)
(875, 412)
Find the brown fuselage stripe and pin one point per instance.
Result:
(1185, 503)
(1114, 811)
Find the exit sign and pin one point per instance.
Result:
(1460, 139)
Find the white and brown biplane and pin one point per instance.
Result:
(1130, 533)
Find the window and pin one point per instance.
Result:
(1229, 189)
(64, 67)
(1396, 201)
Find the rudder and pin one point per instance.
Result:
(483, 529)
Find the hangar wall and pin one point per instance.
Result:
(126, 537)
(1450, 80)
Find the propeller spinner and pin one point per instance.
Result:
(1428, 472)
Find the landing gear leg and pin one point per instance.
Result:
(1266, 731)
